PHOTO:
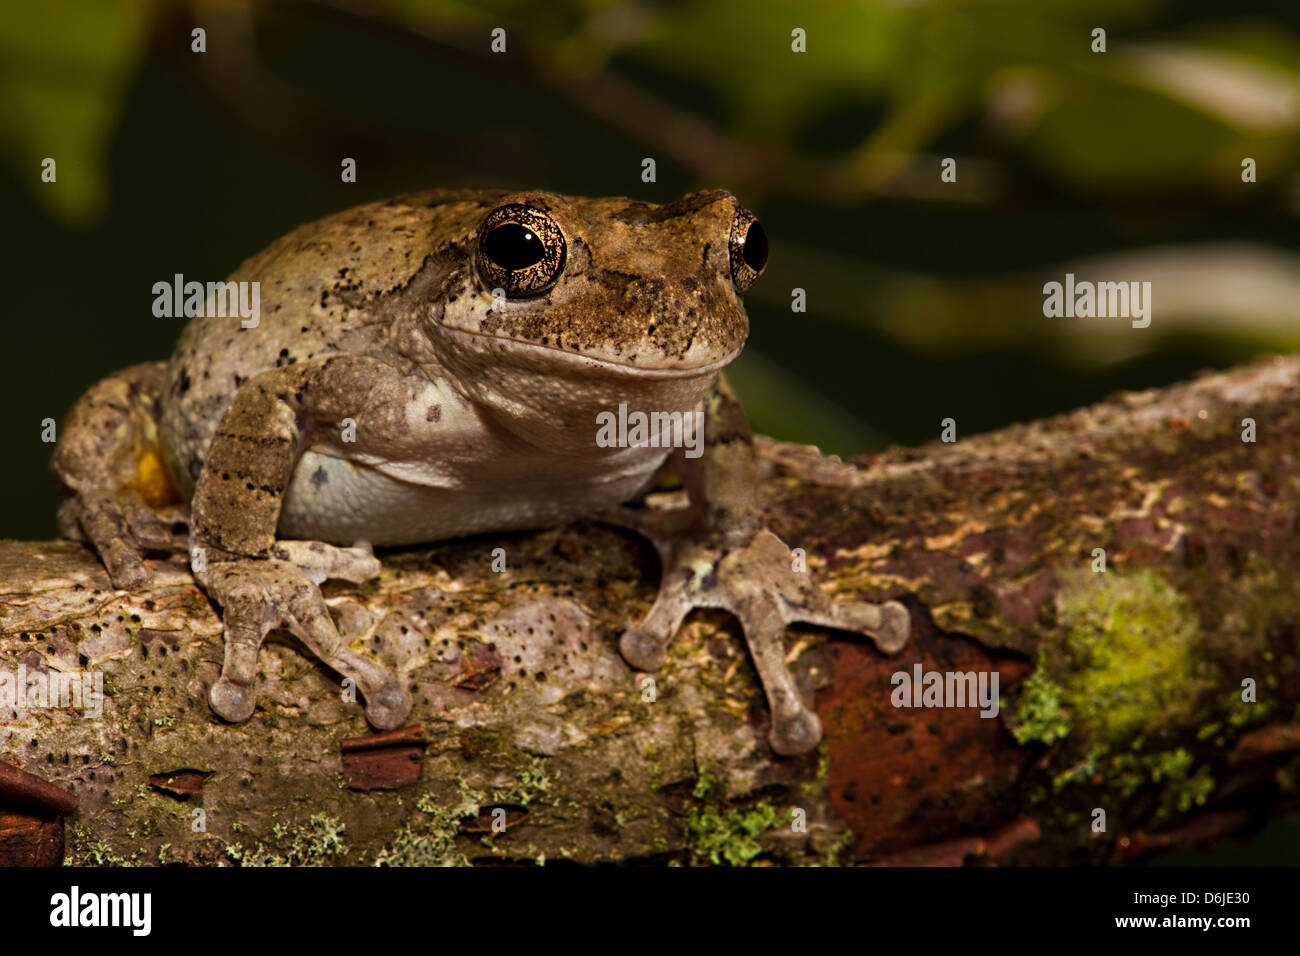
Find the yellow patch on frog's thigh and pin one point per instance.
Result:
(152, 482)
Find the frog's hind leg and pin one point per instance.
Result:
(110, 465)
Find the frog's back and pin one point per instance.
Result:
(331, 286)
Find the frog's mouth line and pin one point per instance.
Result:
(480, 339)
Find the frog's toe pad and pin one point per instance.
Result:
(895, 628)
(797, 735)
(231, 701)
(388, 708)
(127, 569)
(643, 650)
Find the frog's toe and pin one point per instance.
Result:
(895, 627)
(70, 512)
(322, 562)
(249, 612)
(888, 624)
(231, 701)
(796, 735)
(645, 646)
(257, 595)
(388, 707)
(388, 703)
(148, 530)
(642, 650)
(126, 568)
(104, 523)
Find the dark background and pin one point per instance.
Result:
(924, 298)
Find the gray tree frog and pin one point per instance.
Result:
(434, 366)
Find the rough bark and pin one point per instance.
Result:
(524, 706)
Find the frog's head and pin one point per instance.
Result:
(645, 287)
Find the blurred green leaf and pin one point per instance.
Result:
(64, 65)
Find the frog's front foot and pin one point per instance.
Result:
(758, 583)
(258, 595)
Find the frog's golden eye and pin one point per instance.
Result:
(748, 250)
(520, 250)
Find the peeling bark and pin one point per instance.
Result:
(1120, 691)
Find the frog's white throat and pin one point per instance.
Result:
(558, 400)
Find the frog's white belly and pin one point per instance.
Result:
(335, 500)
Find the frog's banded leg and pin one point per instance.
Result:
(262, 583)
(714, 555)
(107, 455)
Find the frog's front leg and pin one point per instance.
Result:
(262, 583)
(716, 553)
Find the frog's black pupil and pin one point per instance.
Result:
(755, 248)
(514, 247)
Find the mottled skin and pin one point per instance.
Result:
(387, 397)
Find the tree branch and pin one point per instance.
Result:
(528, 716)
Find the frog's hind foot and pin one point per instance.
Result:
(759, 584)
(107, 458)
(120, 528)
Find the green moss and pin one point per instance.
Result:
(1081, 770)
(703, 785)
(1040, 713)
(433, 842)
(841, 843)
(728, 834)
(1210, 730)
(1123, 662)
(1121, 668)
(317, 842)
(1192, 787)
(1182, 784)
(1128, 657)
(1241, 715)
